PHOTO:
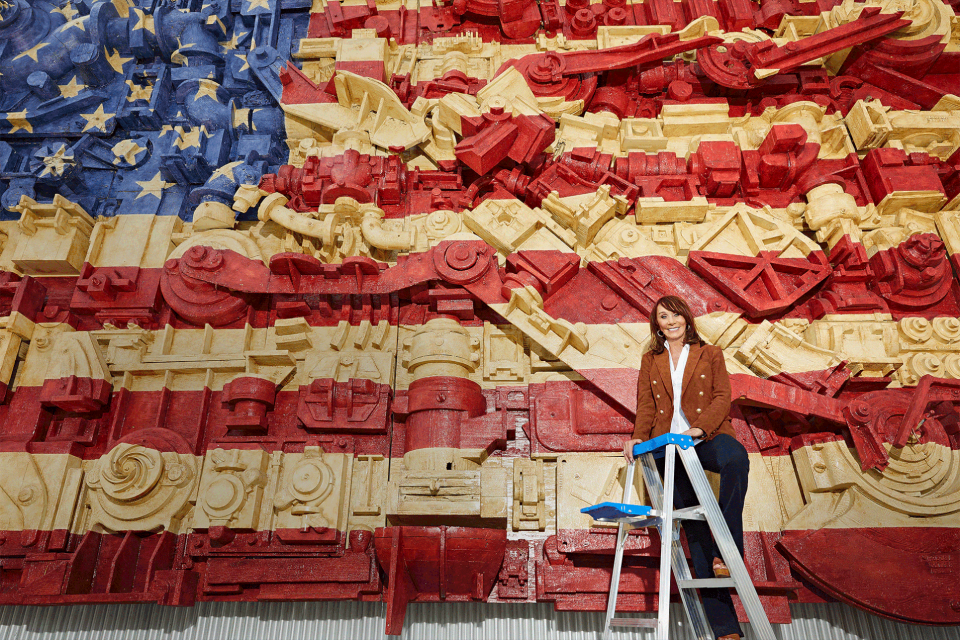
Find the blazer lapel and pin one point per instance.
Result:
(692, 358)
(663, 364)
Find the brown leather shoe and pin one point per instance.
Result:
(730, 636)
(720, 569)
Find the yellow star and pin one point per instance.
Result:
(153, 187)
(123, 7)
(246, 65)
(116, 61)
(207, 89)
(253, 4)
(177, 57)
(18, 120)
(72, 88)
(34, 52)
(139, 92)
(240, 117)
(56, 163)
(144, 21)
(127, 150)
(96, 120)
(226, 171)
(232, 43)
(189, 139)
(67, 12)
(214, 19)
(77, 23)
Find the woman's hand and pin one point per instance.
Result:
(628, 449)
(696, 432)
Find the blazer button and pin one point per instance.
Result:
(661, 410)
(654, 382)
(699, 410)
(701, 393)
(658, 395)
(703, 375)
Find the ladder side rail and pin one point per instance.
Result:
(623, 531)
(728, 549)
(696, 615)
(651, 479)
(666, 545)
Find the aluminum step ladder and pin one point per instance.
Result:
(667, 520)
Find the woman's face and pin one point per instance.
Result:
(672, 324)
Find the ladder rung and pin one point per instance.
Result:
(707, 583)
(690, 513)
(634, 622)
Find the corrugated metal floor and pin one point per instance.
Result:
(356, 621)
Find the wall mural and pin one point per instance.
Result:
(346, 300)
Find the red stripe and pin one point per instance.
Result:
(908, 574)
(575, 572)
(359, 416)
(61, 568)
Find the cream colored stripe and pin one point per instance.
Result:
(291, 353)
(918, 489)
(536, 348)
(137, 488)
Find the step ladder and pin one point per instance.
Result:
(667, 520)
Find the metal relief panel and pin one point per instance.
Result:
(346, 301)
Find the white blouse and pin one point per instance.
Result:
(679, 422)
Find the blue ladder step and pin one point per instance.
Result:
(616, 511)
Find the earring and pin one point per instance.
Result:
(660, 333)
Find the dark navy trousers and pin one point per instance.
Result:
(721, 454)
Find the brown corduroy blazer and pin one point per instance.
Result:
(705, 395)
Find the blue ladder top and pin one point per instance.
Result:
(684, 442)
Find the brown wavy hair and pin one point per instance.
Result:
(676, 305)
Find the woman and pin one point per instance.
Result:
(681, 365)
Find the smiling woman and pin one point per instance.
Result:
(680, 365)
